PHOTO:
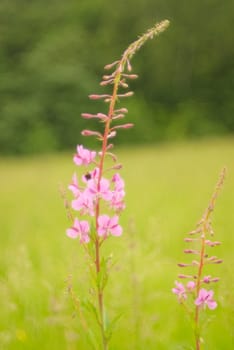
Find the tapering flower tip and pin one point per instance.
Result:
(162, 25)
(92, 133)
(111, 65)
(99, 97)
(123, 126)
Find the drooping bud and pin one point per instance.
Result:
(99, 97)
(212, 244)
(111, 134)
(191, 251)
(123, 126)
(92, 133)
(127, 94)
(184, 276)
(106, 82)
(111, 65)
(121, 110)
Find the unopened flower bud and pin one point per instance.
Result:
(129, 67)
(109, 66)
(118, 116)
(191, 251)
(98, 97)
(111, 134)
(184, 276)
(128, 94)
(121, 110)
(123, 126)
(106, 82)
(92, 133)
(212, 244)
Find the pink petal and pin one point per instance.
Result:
(211, 304)
(117, 230)
(72, 233)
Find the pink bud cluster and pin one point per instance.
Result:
(86, 194)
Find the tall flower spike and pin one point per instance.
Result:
(96, 193)
(203, 234)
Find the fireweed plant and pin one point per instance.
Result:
(195, 295)
(98, 191)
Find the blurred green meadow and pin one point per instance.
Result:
(168, 188)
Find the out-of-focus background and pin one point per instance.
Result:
(52, 55)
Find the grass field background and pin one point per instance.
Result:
(168, 188)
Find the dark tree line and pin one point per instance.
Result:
(52, 54)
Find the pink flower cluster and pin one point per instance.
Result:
(204, 298)
(89, 192)
(181, 290)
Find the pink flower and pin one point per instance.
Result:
(117, 202)
(109, 225)
(205, 297)
(74, 186)
(179, 290)
(190, 285)
(118, 194)
(207, 279)
(83, 156)
(84, 203)
(103, 191)
(80, 229)
(118, 181)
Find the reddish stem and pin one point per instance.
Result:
(97, 240)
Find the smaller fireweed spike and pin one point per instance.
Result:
(200, 245)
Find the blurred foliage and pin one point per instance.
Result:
(52, 55)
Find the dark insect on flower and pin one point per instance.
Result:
(88, 176)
